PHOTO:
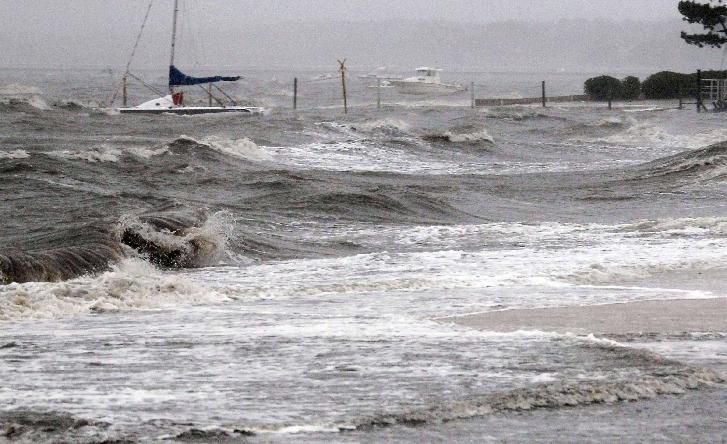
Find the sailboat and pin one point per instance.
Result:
(174, 101)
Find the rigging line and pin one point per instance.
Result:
(154, 90)
(222, 104)
(133, 51)
(234, 102)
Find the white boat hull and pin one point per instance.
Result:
(424, 88)
(188, 110)
(164, 105)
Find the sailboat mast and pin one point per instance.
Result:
(174, 38)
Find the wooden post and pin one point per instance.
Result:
(543, 90)
(681, 103)
(124, 93)
(295, 93)
(378, 92)
(209, 95)
(343, 83)
(699, 91)
(472, 95)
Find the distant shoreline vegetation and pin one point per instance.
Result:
(662, 85)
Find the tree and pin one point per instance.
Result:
(669, 85)
(603, 88)
(713, 18)
(631, 88)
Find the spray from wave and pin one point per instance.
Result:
(165, 240)
(16, 154)
(466, 138)
(239, 148)
(129, 284)
(702, 164)
(22, 98)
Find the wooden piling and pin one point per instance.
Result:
(699, 91)
(343, 84)
(209, 95)
(472, 94)
(543, 91)
(295, 93)
(378, 93)
(610, 99)
(124, 92)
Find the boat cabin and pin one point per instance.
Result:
(428, 73)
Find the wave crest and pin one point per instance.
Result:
(473, 138)
(239, 148)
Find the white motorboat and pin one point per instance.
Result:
(379, 73)
(427, 81)
(174, 101)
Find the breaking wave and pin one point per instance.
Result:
(129, 284)
(655, 376)
(379, 206)
(239, 148)
(165, 240)
(469, 138)
(704, 163)
(16, 154)
(639, 134)
(560, 395)
(175, 241)
(58, 264)
(22, 98)
(100, 154)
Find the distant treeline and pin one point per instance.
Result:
(662, 85)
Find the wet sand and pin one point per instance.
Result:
(664, 317)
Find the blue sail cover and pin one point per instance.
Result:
(178, 78)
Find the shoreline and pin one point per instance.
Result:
(660, 317)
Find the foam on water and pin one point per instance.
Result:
(23, 94)
(242, 148)
(16, 154)
(130, 284)
(99, 154)
(648, 133)
(341, 336)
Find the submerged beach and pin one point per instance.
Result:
(420, 272)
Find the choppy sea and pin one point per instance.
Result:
(283, 277)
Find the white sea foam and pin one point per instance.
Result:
(241, 148)
(209, 241)
(481, 135)
(102, 153)
(648, 133)
(147, 153)
(385, 124)
(16, 154)
(696, 225)
(29, 95)
(130, 284)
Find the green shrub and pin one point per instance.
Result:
(603, 88)
(670, 85)
(631, 88)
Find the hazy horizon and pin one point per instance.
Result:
(311, 34)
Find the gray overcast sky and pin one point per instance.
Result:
(58, 12)
(92, 33)
(459, 10)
